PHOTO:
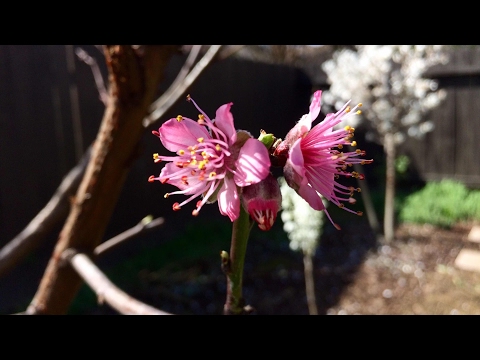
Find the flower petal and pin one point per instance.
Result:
(315, 105)
(311, 196)
(178, 135)
(296, 159)
(228, 199)
(224, 121)
(253, 163)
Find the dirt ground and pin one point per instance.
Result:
(353, 275)
(415, 275)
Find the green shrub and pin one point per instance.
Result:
(442, 204)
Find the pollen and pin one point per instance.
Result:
(200, 139)
(179, 118)
(354, 143)
(360, 105)
(358, 112)
(212, 174)
(218, 147)
(181, 152)
(347, 110)
(347, 128)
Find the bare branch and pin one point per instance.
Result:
(55, 211)
(145, 225)
(97, 75)
(107, 291)
(175, 94)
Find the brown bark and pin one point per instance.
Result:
(134, 79)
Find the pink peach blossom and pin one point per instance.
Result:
(212, 160)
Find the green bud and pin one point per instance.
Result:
(267, 139)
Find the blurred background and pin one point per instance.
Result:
(50, 112)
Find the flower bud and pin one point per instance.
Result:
(263, 201)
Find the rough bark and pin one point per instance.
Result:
(134, 77)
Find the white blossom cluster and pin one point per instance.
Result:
(301, 222)
(388, 80)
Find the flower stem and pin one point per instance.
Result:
(235, 304)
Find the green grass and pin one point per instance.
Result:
(441, 203)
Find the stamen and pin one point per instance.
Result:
(200, 139)
(354, 143)
(176, 206)
(156, 133)
(179, 118)
(151, 178)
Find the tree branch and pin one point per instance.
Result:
(133, 82)
(106, 291)
(170, 97)
(145, 225)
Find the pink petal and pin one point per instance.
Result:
(296, 159)
(253, 163)
(178, 135)
(315, 105)
(311, 196)
(224, 121)
(228, 199)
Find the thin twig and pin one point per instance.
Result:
(175, 94)
(97, 75)
(146, 224)
(107, 291)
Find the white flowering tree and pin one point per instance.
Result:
(303, 226)
(388, 80)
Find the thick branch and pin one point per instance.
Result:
(106, 291)
(133, 83)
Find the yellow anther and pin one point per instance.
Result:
(192, 152)
(166, 195)
(347, 128)
(340, 146)
(179, 118)
(155, 156)
(358, 151)
(359, 112)
(204, 154)
(212, 174)
(200, 139)
(181, 152)
(354, 143)
(201, 117)
(218, 147)
(360, 105)
(347, 109)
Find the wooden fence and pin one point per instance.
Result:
(451, 150)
